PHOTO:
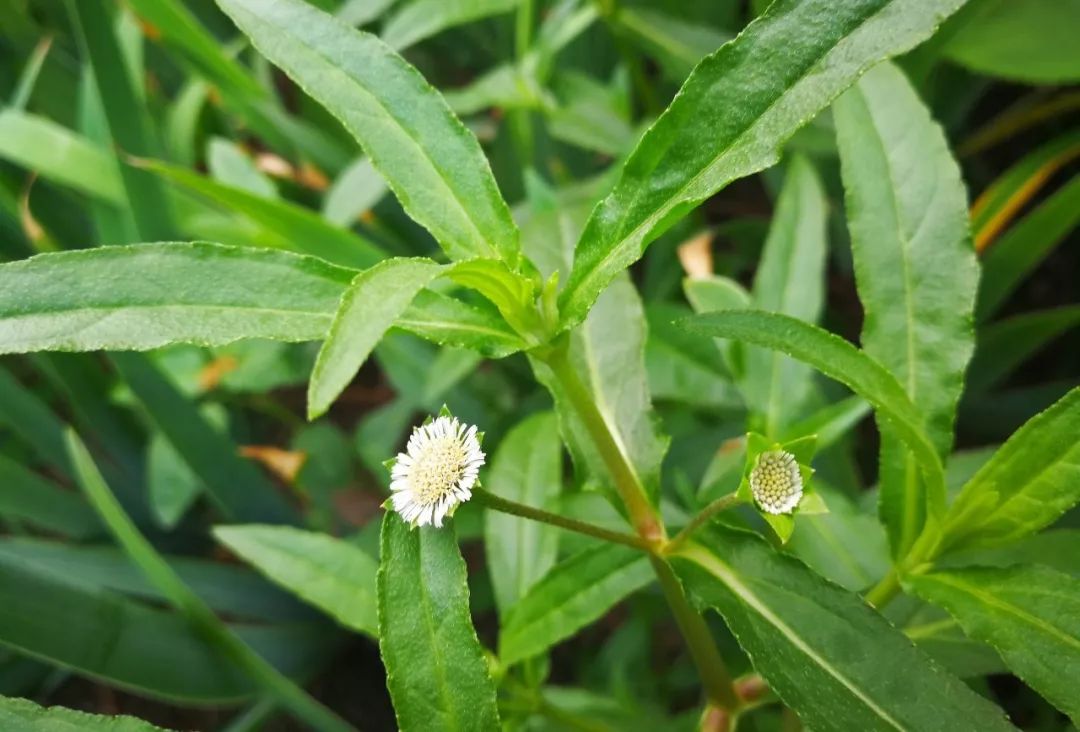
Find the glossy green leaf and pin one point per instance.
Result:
(27, 496)
(790, 279)
(1025, 40)
(60, 155)
(420, 19)
(146, 650)
(576, 592)
(26, 716)
(1026, 244)
(607, 355)
(1004, 345)
(151, 295)
(435, 667)
(289, 226)
(331, 574)
(431, 162)
(450, 322)
(731, 117)
(823, 650)
(915, 270)
(370, 305)
(527, 468)
(1028, 483)
(1029, 614)
(837, 359)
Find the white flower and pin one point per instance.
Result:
(776, 482)
(436, 472)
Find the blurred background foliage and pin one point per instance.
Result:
(226, 149)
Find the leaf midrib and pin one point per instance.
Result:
(712, 564)
(659, 211)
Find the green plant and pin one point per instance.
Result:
(789, 595)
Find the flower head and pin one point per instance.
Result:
(775, 482)
(436, 472)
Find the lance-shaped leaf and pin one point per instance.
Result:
(837, 359)
(145, 296)
(431, 161)
(333, 575)
(1028, 483)
(420, 19)
(369, 307)
(573, 594)
(1030, 614)
(25, 715)
(450, 322)
(914, 267)
(527, 468)
(435, 666)
(822, 649)
(731, 117)
(789, 280)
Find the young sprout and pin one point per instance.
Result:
(436, 472)
(775, 482)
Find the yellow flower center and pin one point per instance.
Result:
(437, 469)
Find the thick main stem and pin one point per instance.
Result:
(715, 678)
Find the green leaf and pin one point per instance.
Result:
(677, 44)
(731, 117)
(1028, 483)
(287, 225)
(1024, 246)
(26, 716)
(333, 575)
(29, 497)
(837, 359)
(1025, 40)
(431, 162)
(607, 355)
(59, 155)
(789, 280)
(1029, 614)
(915, 270)
(231, 166)
(136, 647)
(355, 191)
(527, 468)
(720, 293)
(370, 305)
(150, 295)
(1004, 345)
(683, 367)
(420, 19)
(576, 592)
(450, 322)
(435, 666)
(823, 650)
(29, 418)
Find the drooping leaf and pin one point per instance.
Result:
(26, 716)
(1030, 614)
(331, 574)
(730, 118)
(837, 359)
(374, 300)
(573, 594)
(431, 161)
(420, 19)
(823, 650)
(1028, 483)
(915, 270)
(527, 468)
(790, 280)
(145, 296)
(435, 667)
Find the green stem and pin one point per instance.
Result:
(190, 605)
(720, 504)
(715, 678)
(517, 509)
(631, 491)
(884, 591)
(719, 688)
